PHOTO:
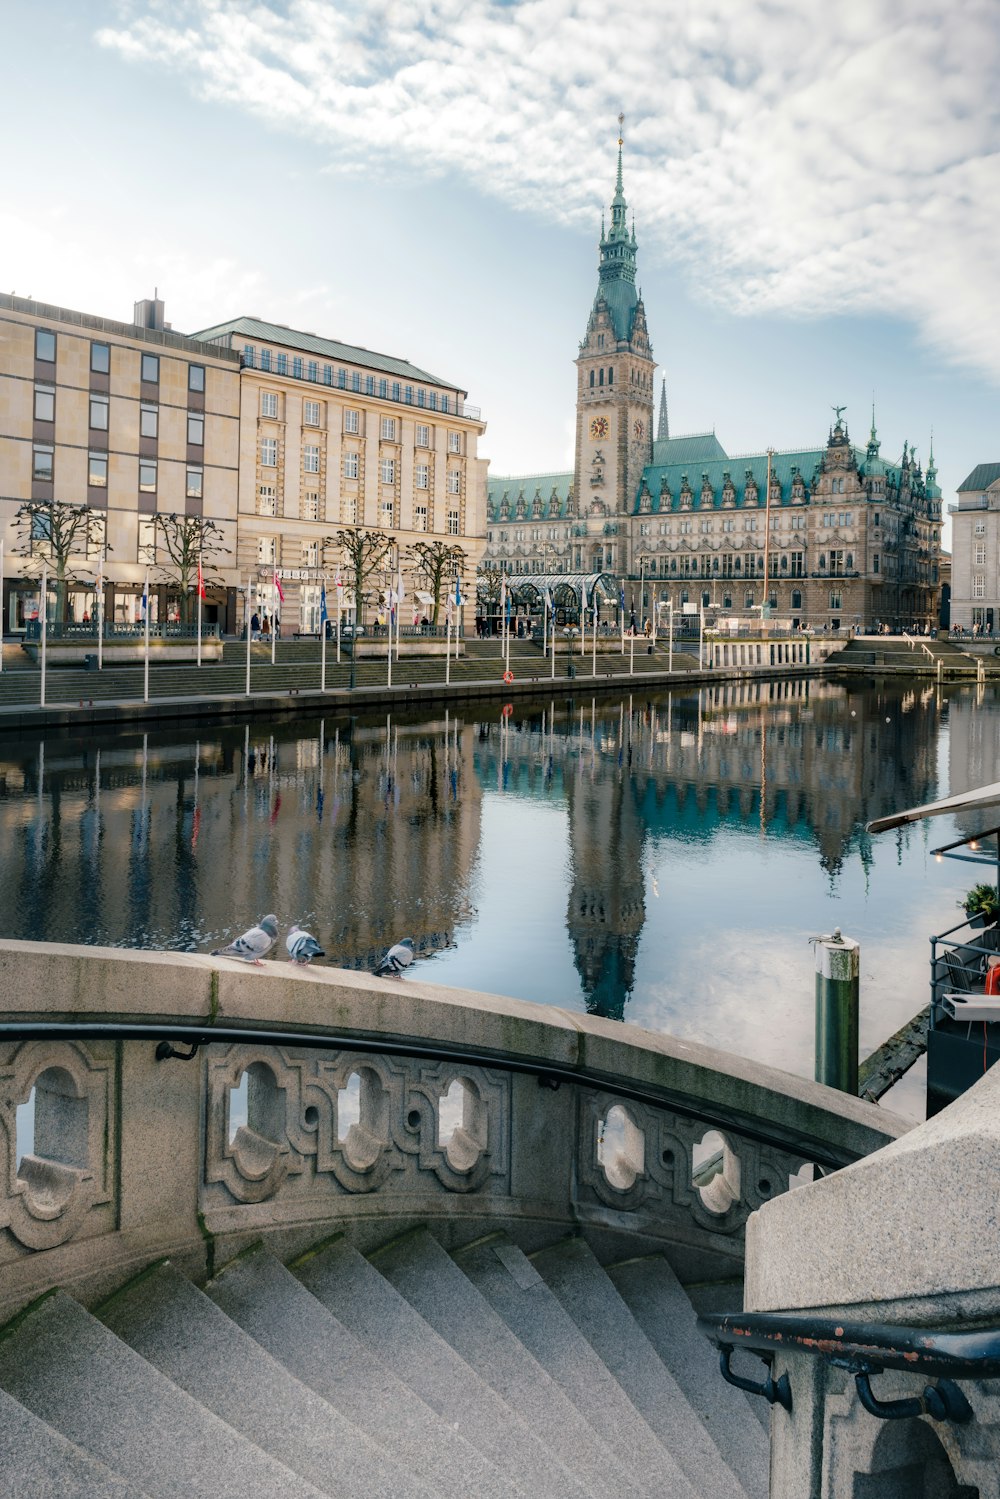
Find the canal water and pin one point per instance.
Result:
(659, 859)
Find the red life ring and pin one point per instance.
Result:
(508, 676)
(508, 709)
(993, 979)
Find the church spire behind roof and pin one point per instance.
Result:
(663, 424)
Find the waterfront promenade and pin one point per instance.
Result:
(179, 691)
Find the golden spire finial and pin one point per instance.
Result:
(621, 130)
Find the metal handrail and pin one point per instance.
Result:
(863, 1349)
(550, 1074)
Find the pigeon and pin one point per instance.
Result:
(302, 946)
(252, 946)
(398, 959)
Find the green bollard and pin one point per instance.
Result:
(838, 961)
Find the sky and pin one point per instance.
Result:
(814, 185)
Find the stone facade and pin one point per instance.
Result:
(332, 437)
(833, 536)
(975, 571)
(277, 437)
(129, 419)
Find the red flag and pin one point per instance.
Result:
(201, 582)
(277, 584)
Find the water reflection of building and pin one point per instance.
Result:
(973, 751)
(799, 760)
(152, 844)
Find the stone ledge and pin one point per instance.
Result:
(52, 981)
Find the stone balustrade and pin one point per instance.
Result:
(529, 1116)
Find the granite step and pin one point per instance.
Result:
(354, 1291)
(73, 1373)
(508, 1280)
(186, 1336)
(576, 1277)
(657, 1300)
(37, 1462)
(276, 1310)
(423, 1272)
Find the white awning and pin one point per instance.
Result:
(965, 801)
(424, 598)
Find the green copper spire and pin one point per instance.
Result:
(617, 266)
(931, 469)
(873, 442)
(663, 426)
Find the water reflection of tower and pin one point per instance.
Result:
(607, 906)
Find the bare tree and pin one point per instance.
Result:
(52, 532)
(433, 562)
(186, 539)
(365, 553)
(488, 590)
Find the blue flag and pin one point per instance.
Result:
(323, 616)
(621, 597)
(458, 593)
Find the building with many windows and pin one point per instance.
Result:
(278, 438)
(337, 437)
(128, 419)
(975, 551)
(831, 535)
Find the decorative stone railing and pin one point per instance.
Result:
(370, 1105)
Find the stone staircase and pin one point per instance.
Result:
(297, 669)
(894, 653)
(411, 1371)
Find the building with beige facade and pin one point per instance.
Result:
(279, 438)
(335, 437)
(975, 552)
(128, 419)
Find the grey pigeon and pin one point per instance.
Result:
(398, 959)
(302, 946)
(252, 946)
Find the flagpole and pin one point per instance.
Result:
(45, 620)
(247, 615)
(593, 640)
(145, 675)
(621, 611)
(322, 637)
(200, 586)
(274, 616)
(631, 652)
(100, 617)
(552, 635)
(338, 626)
(447, 647)
(670, 649)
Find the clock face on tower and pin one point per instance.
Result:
(638, 429)
(599, 427)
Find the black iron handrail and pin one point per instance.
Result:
(864, 1349)
(550, 1074)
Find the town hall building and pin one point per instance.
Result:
(834, 535)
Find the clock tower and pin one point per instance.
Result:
(614, 398)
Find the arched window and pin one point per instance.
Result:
(611, 377)
(601, 378)
(592, 379)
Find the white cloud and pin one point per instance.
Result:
(797, 156)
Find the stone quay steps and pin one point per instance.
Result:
(412, 1372)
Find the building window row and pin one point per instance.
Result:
(341, 378)
(100, 361)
